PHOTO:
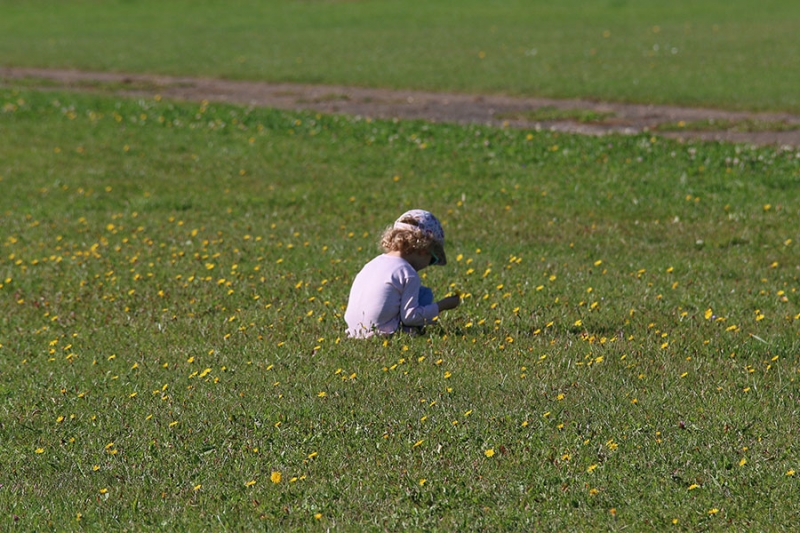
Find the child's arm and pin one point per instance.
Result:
(411, 312)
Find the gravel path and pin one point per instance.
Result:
(408, 104)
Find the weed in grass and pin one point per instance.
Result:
(172, 280)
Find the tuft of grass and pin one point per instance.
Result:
(736, 125)
(555, 114)
(328, 97)
(172, 283)
(33, 82)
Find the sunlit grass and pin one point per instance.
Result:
(737, 54)
(173, 279)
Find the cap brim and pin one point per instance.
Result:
(438, 249)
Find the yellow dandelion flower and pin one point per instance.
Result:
(250, 483)
(275, 477)
(489, 452)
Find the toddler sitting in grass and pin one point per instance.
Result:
(387, 294)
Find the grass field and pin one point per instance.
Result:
(738, 54)
(172, 284)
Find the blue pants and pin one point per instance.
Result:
(425, 296)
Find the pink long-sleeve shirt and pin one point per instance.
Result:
(384, 295)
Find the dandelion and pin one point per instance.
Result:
(250, 483)
(790, 472)
(422, 482)
(489, 452)
(713, 511)
(591, 468)
(39, 450)
(275, 477)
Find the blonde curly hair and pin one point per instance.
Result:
(406, 240)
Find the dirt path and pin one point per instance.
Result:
(407, 104)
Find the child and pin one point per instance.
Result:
(387, 294)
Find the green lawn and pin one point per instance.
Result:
(738, 54)
(172, 284)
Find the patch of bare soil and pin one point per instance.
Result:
(574, 116)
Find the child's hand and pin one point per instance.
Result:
(451, 302)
